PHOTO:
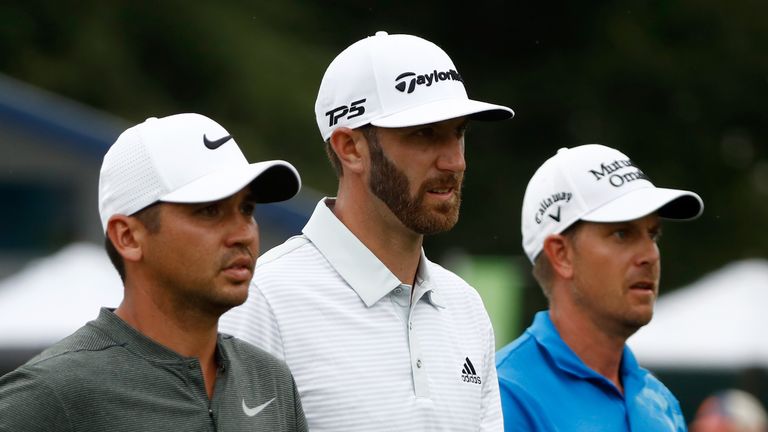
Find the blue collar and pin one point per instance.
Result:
(545, 333)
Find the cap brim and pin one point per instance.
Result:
(271, 181)
(443, 110)
(668, 203)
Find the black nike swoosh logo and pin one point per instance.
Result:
(214, 144)
(556, 218)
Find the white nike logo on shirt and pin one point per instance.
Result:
(250, 412)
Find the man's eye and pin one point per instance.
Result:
(425, 132)
(620, 234)
(210, 210)
(248, 208)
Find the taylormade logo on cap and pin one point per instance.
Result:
(395, 81)
(598, 184)
(404, 83)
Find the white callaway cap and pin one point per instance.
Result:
(184, 158)
(395, 81)
(594, 183)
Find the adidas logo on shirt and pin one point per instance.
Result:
(468, 374)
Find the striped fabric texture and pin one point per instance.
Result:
(364, 356)
(108, 377)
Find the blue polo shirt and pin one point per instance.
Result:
(545, 387)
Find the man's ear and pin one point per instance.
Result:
(351, 148)
(559, 251)
(127, 234)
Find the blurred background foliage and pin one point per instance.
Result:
(679, 85)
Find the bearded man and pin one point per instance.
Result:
(376, 335)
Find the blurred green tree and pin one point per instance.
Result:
(678, 85)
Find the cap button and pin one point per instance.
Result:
(562, 149)
(381, 33)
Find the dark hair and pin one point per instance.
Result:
(150, 217)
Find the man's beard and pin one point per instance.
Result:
(391, 185)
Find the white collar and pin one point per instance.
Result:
(356, 264)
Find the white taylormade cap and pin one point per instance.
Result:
(594, 183)
(184, 158)
(395, 81)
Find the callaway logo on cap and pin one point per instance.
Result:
(184, 158)
(594, 183)
(395, 81)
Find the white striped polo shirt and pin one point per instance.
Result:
(363, 355)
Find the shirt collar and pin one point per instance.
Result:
(630, 369)
(355, 263)
(424, 284)
(547, 336)
(133, 340)
(545, 332)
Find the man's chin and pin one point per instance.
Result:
(235, 295)
(436, 224)
(634, 323)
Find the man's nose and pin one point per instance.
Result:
(452, 155)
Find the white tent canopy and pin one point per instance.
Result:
(53, 296)
(719, 321)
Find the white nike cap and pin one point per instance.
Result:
(395, 81)
(594, 183)
(184, 158)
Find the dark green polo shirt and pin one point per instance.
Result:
(109, 377)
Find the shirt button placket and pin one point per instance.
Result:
(418, 368)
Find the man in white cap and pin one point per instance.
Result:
(376, 335)
(176, 198)
(590, 223)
